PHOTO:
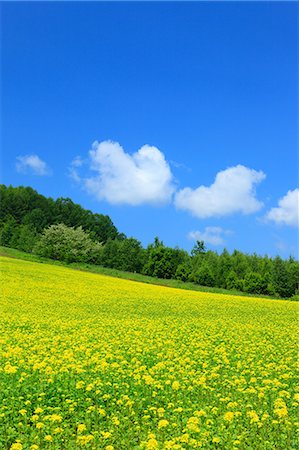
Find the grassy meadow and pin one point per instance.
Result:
(96, 362)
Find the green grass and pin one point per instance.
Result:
(13, 253)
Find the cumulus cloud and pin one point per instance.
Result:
(120, 178)
(287, 212)
(232, 191)
(32, 164)
(210, 235)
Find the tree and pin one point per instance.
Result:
(198, 249)
(183, 271)
(102, 228)
(67, 244)
(27, 207)
(233, 282)
(36, 219)
(240, 264)
(293, 270)
(281, 279)
(123, 254)
(27, 238)
(253, 283)
(204, 276)
(162, 262)
(224, 267)
(7, 231)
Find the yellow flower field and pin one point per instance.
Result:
(89, 361)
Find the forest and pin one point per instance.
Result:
(61, 229)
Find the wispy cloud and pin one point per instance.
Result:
(32, 164)
(76, 163)
(120, 178)
(210, 235)
(233, 191)
(179, 165)
(287, 211)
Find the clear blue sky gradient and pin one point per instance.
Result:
(212, 85)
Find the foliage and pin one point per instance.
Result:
(123, 254)
(25, 238)
(183, 271)
(254, 283)
(94, 362)
(67, 244)
(7, 231)
(204, 276)
(198, 249)
(233, 282)
(162, 261)
(282, 282)
(27, 207)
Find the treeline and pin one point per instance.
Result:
(24, 214)
(63, 230)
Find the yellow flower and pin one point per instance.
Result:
(163, 423)
(152, 444)
(280, 408)
(191, 368)
(48, 438)
(55, 418)
(281, 412)
(16, 446)
(83, 440)
(192, 424)
(151, 436)
(184, 438)
(176, 385)
(10, 369)
(115, 420)
(160, 412)
(38, 410)
(148, 379)
(106, 434)
(228, 416)
(253, 416)
(81, 427)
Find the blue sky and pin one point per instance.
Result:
(176, 119)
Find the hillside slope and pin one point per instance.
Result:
(99, 362)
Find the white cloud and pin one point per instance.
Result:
(232, 191)
(77, 162)
(32, 164)
(121, 178)
(73, 168)
(210, 235)
(287, 212)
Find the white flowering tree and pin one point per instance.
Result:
(68, 244)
